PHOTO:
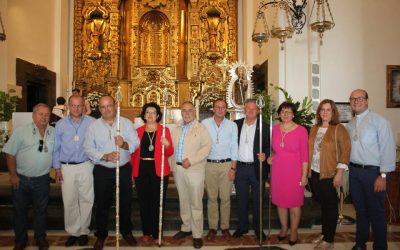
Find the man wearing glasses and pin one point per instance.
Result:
(372, 157)
(100, 146)
(29, 158)
(193, 144)
(74, 171)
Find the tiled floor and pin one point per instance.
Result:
(344, 241)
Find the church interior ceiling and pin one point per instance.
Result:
(180, 45)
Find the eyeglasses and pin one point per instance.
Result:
(286, 112)
(358, 99)
(40, 146)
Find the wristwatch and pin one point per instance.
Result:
(383, 175)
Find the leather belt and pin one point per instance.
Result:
(72, 162)
(352, 164)
(246, 163)
(179, 163)
(146, 158)
(219, 161)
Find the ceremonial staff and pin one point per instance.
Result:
(118, 97)
(160, 221)
(260, 104)
(270, 155)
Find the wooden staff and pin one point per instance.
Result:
(118, 97)
(160, 221)
(260, 104)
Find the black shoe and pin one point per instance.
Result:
(130, 239)
(358, 248)
(238, 233)
(197, 243)
(263, 236)
(281, 238)
(83, 240)
(292, 243)
(19, 246)
(181, 234)
(71, 241)
(99, 244)
(42, 244)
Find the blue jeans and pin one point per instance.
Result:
(370, 208)
(35, 191)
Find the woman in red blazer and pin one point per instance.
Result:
(146, 163)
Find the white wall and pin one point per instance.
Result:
(381, 38)
(354, 54)
(30, 33)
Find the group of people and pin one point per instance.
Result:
(212, 155)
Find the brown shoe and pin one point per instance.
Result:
(197, 243)
(19, 246)
(130, 240)
(42, 244)
(211, 234)
(226, 234)
(181, 234)
(99, 244)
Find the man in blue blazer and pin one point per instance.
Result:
(248, 167)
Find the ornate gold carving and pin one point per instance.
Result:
(158, 38)
(149, 83)
(155, 3)
(154, 33)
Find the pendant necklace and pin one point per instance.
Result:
(283, 134)
(151, 147)
(247, 128)
(355, 137)
(217, 130)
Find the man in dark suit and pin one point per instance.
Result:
(248, 167)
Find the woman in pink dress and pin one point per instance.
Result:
(289, 170)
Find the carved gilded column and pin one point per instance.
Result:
(182, 59)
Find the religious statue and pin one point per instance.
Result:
(96, 30)
(240, 87)
(213, 32)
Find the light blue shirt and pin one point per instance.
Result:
(179, 150)
(68, 140)
(99, 140)
(372, 141)
(224, 138)
(24, 145)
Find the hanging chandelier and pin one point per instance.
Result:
(319, 21)
(3, 31)
(289, 16)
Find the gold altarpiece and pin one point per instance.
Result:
(148, 45)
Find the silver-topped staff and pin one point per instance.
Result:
(260, 104)
(160, 221)
(118, 98)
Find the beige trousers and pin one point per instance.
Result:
(190, 185)
(217, 183)
(78, 197)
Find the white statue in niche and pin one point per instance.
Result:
(240, 86)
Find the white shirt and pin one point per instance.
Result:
(246, 142)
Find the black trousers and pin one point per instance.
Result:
(104, 184)
(148, 189)
(325, 193)
(246, 181)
